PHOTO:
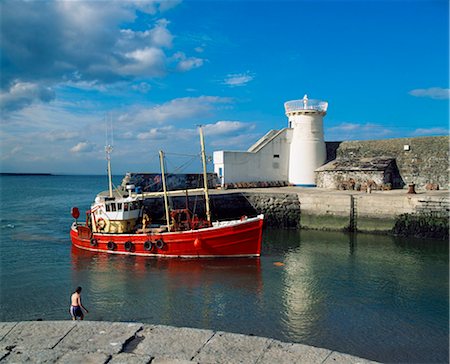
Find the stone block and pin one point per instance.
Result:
(104, 337)
(171, 361)
(131, 358)
(339, 358)
(279, 352)
(6, 327)
(36, 356)
(232, 348)
(75, 357)
(172, 342)
(31, 335)
(3, 353)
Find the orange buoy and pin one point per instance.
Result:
(278, 264)
(197, 243)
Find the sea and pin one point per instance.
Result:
(378, 297)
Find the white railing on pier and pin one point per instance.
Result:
(305, 104)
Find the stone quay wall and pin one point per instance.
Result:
(426, 161)
(137, 343)
(320, 209)
(313, 208)
(280, 210)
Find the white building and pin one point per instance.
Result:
(291, 154)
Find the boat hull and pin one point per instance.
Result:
(235, 239)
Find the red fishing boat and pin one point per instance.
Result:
(117, 224)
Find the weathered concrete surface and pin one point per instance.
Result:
(326, 209)
(113, 343)
(184, 343)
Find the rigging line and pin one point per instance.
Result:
(196, 196)
(169, 199)
(185, 165)
(183, 155)
(116, 189)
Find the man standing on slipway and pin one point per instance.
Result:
(76, 305)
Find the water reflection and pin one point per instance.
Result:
(377, 297)
(168, 291)
(347, 291)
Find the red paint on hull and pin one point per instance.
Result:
(242, 239)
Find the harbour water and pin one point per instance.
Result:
(376, 297)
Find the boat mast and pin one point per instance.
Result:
(163, 178)
(108, 150)
(205, 176)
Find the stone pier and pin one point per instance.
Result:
(316, 208)
(114, 343)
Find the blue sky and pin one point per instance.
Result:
(156, 69)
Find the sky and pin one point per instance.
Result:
(141, 75)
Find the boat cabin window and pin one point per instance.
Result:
(125, 206)
(113, 207)
(119, 206)
(107, 207)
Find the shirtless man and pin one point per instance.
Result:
(76, 306)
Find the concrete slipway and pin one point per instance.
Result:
(114, 342)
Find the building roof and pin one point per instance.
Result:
(357, 164)
(266, 139)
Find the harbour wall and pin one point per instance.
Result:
(378, 212)
(422, 160)
(321, 209)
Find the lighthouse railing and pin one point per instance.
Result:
(306, 104)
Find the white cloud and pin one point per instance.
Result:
(238, 142)
(157, 133)
(158, 36)
(82, 147)
(187, 63)
(11, 152)
(166, 4)
(221, 134)
(142, 87)
(355, 131)
(149, 61)
(432, 92)
(238, 79)
(58, 135)
(22, 94)
(227, 127)
(180, 109)
(82, 44)
(430, 131)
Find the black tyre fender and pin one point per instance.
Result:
(111, 245)
(159, 244)
(148, 245)
(128, 246)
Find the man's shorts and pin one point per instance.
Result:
(75, 311)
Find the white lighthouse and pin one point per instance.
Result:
(307, 149)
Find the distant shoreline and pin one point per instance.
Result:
(25, 174)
